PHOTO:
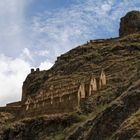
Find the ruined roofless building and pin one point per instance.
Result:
(57, 97)
(62, 97)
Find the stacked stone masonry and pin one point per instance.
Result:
(57, 97)
(62, 98)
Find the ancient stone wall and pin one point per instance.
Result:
(58, 97)
(14, 104)
(13, 110)
(67, 103)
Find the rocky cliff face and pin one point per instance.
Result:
(111, 114)
(130, 23)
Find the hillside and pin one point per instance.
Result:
(113, 113)
(118, 107)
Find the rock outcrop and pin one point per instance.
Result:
(130, 23)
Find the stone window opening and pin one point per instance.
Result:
(51, 100)
(27, 107)
(34, 105)
(60, 99)
(69, 97)
(80, 94)
(27, 103)
(43, 103)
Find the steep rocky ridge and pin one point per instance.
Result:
(109, 108)
(130, 128)
(37, 128)
(109, 121)
(111, 114)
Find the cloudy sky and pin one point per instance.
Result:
(34, 32)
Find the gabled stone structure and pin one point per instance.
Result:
(28, 102)
(93, 86)
(57, 97)
(81, 91)
(62, 98)
(102, 80)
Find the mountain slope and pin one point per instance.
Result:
(105, 115)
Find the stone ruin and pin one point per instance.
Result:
(130, 23)
(62, 98)
(35, 71)
(57, 98)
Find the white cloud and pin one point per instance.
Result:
(12, 26)
(42, 53)
(26, 54)
(12, 75)
(45, 65)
